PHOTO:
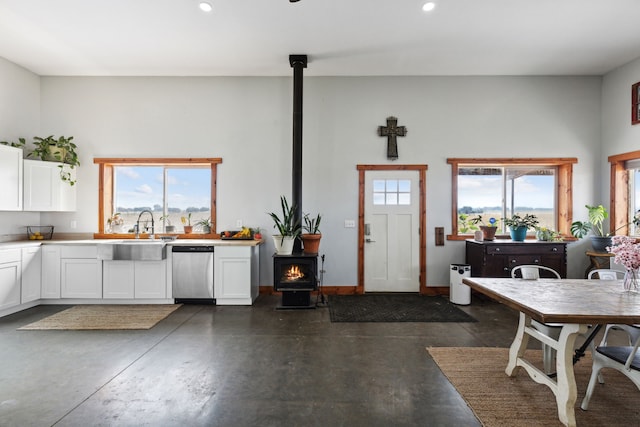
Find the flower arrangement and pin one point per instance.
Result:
(626, 251)
(547, 234)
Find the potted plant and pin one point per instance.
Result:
(61, 150)
(186, 222)
(311, 239)
(545, 234)
(168, 228)
(256, 233)
(599, 240)
(205, 225)
(288, 228)
(488, 231)
(519, 225)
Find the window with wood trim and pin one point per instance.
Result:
(178, 192)
(502, 187)
(624, 193)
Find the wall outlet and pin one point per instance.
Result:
(349, 223)
(239, 223)
(73, 224)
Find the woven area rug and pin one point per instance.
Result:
(394, 308)
(107, 317)
(502, 401)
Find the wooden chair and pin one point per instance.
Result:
(552, 330)
(623, 359)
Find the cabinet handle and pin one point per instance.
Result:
(513, 261)
(536, 261)
(497, 249)
(555, 249)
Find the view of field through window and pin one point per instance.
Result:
(500, 192)
(170, 193)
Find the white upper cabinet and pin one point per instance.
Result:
(44, 190)
(11, 164)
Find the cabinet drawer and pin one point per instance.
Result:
(524, 259)
(10, 255)
(83, 251)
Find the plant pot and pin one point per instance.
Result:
(170, 228)
(599, 244)
(488, 233)
(518, 234)
(284, 245)
(311, 243)
(188, 229)
(206, 229)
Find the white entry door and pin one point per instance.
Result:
(391, 247)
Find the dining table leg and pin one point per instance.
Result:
(564, 385)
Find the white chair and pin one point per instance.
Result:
(632, 331)
(552, 330)
(623, 359)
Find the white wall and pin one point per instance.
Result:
(247, 122)
(19, 117)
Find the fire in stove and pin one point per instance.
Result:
(293, 274)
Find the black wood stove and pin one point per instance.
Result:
(295, 276)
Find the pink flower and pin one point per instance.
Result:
(626, 251)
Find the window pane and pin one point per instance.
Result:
(404, 186)
(634, 190)
(392, 186)
(392, 198)
(532, 191)
(137, 188)
(404, 198)
(378, 198)
(480, 191)
(378, 185)
(188, 192)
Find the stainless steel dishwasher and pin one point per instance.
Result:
(192, 274)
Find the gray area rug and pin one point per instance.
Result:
(394, 308)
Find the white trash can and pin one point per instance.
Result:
(459, 293)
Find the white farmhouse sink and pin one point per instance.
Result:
(133, 250)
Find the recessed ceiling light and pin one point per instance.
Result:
(428, 6)
(205, 6)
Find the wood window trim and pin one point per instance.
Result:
(105, 189)
(564, 190)
(619, 192)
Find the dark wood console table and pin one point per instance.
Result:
(496, 258)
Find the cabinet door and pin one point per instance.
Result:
(11, 177)
(50, 272)
(80, 278)
(150, 279)
(31, 273)
(10, 272)
(43, 188)
(232, 273)
(117, 279)
(496, 266)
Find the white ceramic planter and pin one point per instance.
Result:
(283, 246)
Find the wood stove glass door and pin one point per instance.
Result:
(391, 246)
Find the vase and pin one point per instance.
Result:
(518, 234)
(488, 233)
(284, 245)
(630, 281)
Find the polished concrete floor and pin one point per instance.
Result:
(240, 366)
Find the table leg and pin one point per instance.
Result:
(567, 393)
(519, 345)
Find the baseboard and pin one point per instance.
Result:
(352, 290)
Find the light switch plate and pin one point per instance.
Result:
(349, 223)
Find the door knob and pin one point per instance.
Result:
(369, 240)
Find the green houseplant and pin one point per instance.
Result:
(595, 224)
(488, 230)
(61, 150)
(311, 239)
(205, 225)
(288, 228)
(519, 225)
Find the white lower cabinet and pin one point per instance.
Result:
(50, 272)
(134, 279)
(236, 271)
(10, 277)
(31, 274)
(80, 272)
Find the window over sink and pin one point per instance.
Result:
(171, 189)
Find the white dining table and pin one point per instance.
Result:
(575, 303)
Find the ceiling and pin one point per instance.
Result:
(341, 37)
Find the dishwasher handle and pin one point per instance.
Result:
(192, 249)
